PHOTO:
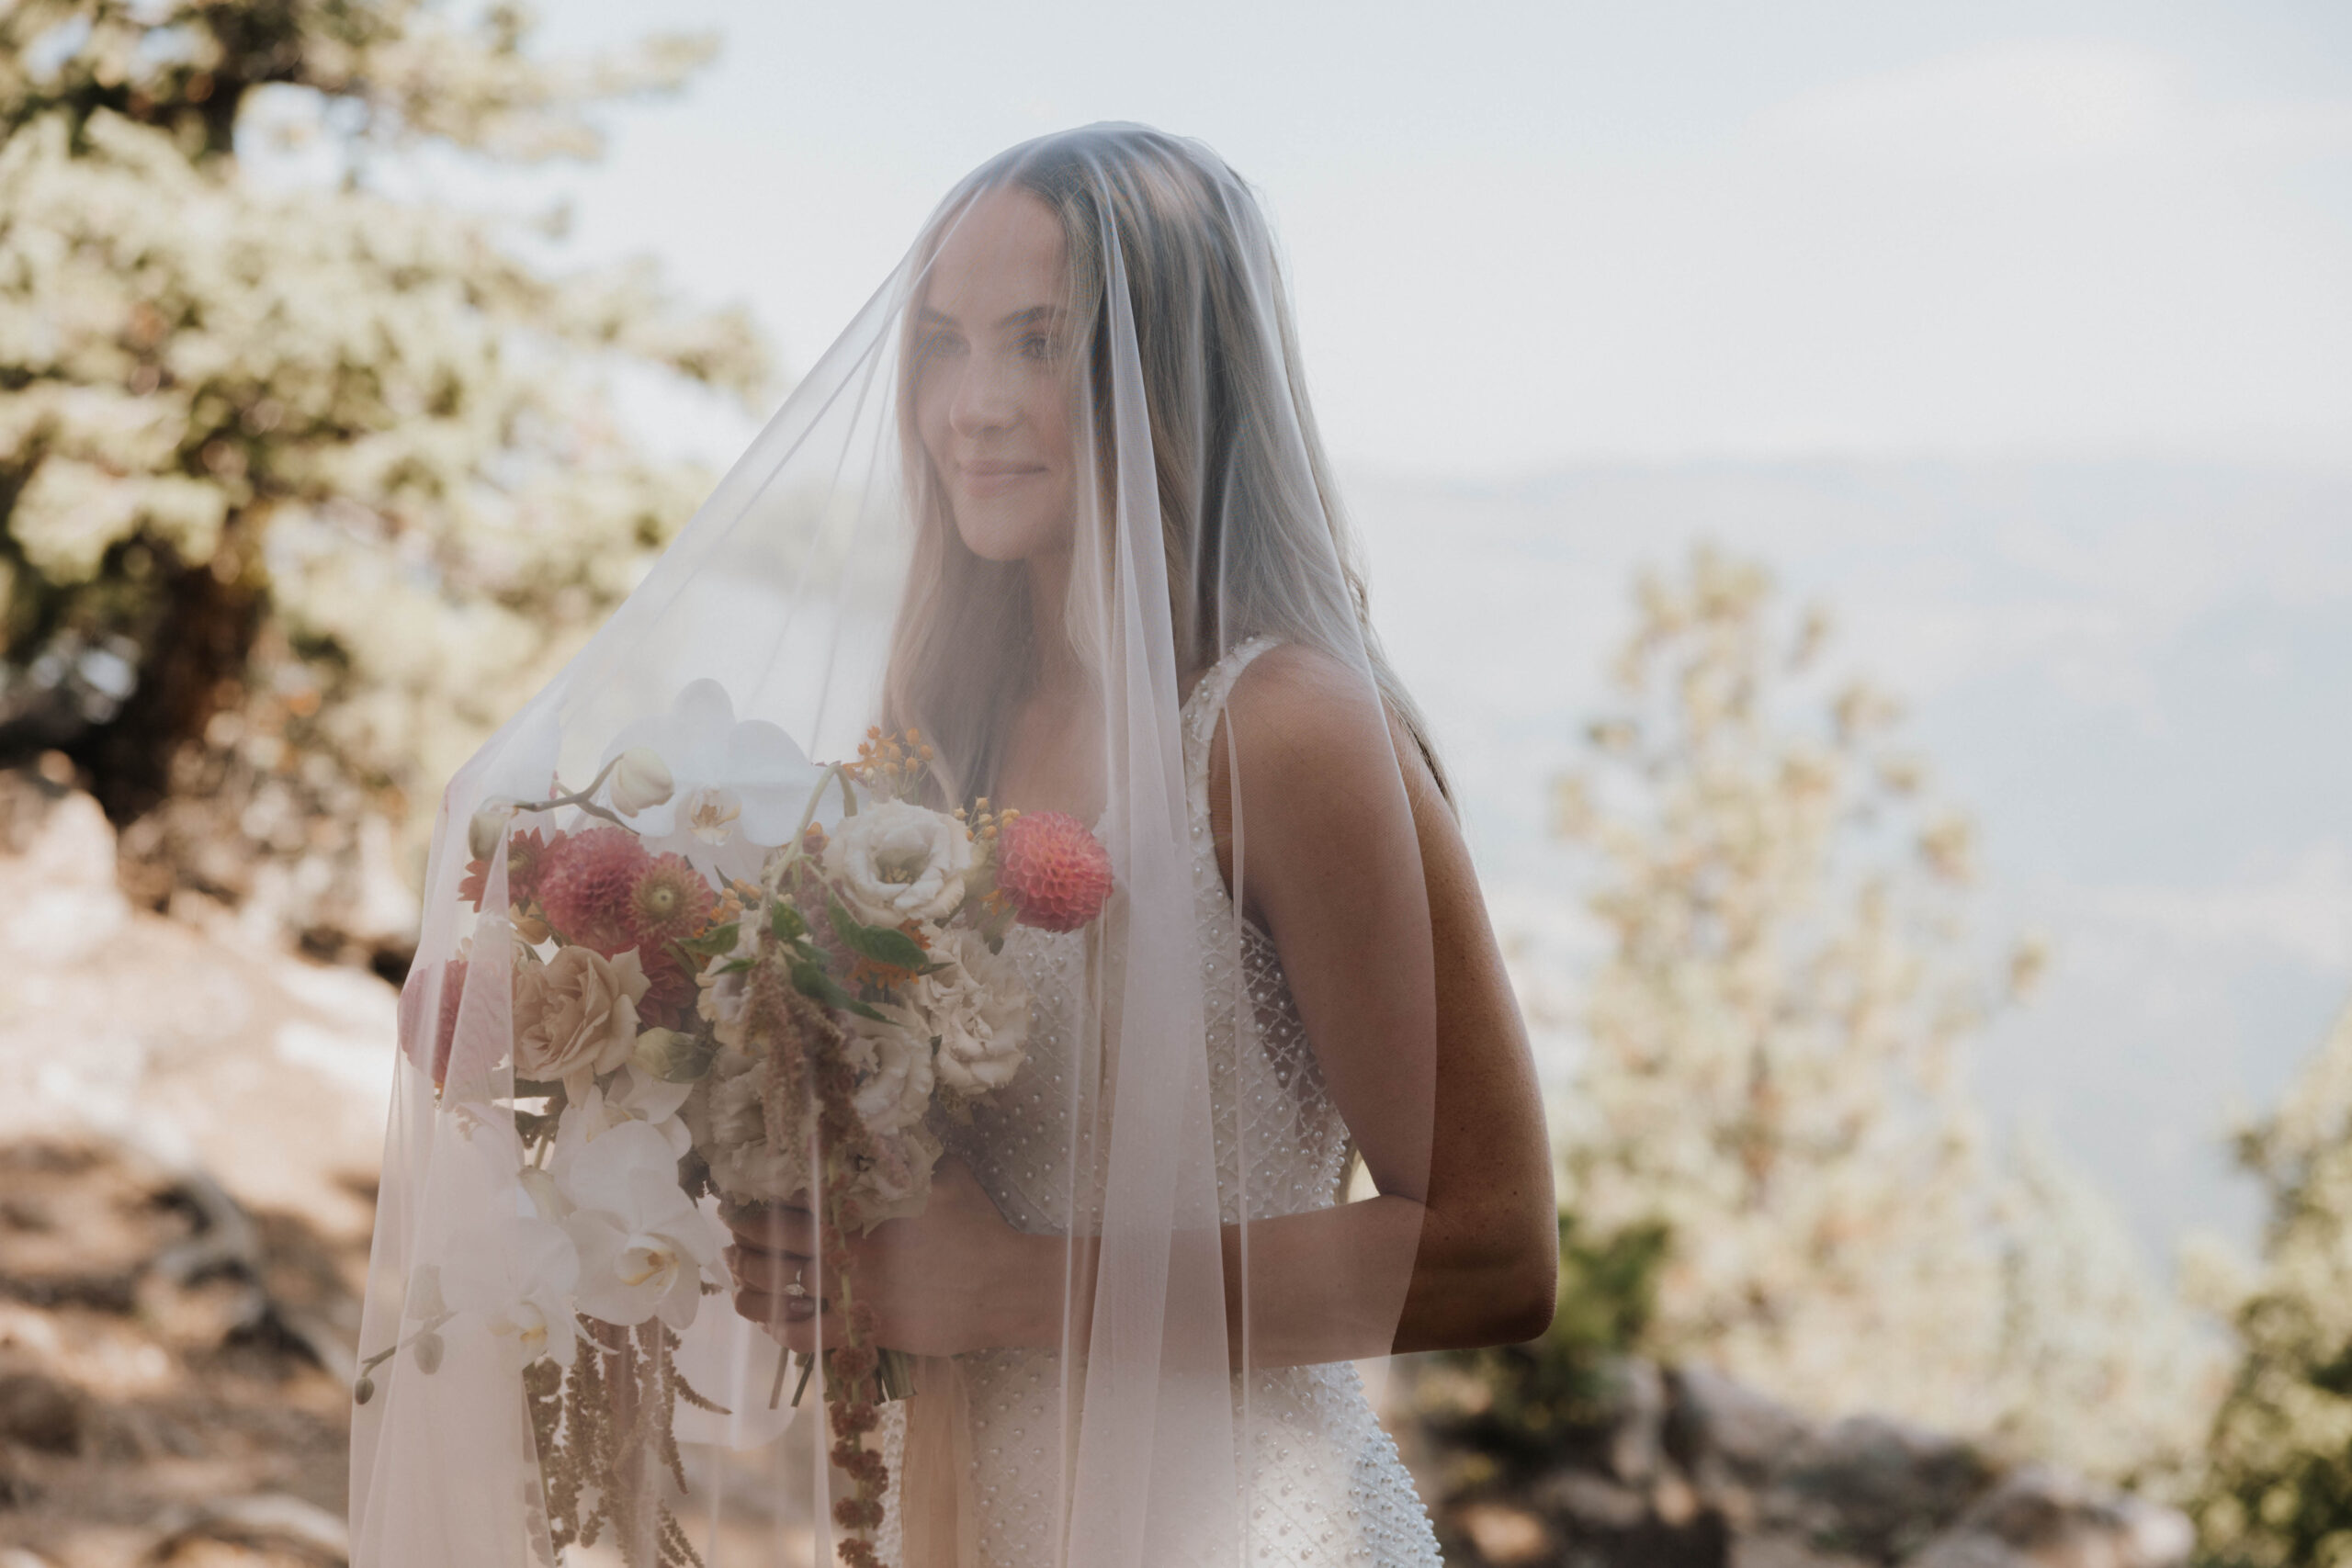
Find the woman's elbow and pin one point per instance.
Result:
(1524, 1305)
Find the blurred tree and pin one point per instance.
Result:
(1773, 1069)
(2279, 1491)
(302, 485)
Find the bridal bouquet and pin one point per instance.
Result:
(716, 996)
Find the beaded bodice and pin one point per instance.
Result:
(1322, 1482)
(1281, 1144)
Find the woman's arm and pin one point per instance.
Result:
(1485, 1267)
(1365, 886)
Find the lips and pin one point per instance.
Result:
(983, 477)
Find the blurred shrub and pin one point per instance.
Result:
(302, 486)
(1774, 1071)
(1517, 1403)
(2279, 1491)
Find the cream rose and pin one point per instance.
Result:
(893, 861)
(893, 1060)
(575, 1015)
(976, 1007)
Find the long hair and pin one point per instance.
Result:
(1256, 541)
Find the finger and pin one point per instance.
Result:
(774, 1228)
(773, 1272)
(790, 1321)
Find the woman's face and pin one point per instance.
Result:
(992, 382)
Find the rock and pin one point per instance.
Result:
(271, 1517)
(1506, 1536)
(1726, 1433)
(1637, 1440)
(41, 1412)
(1875, 1487)
(2039, 1517)
(1724, 1477)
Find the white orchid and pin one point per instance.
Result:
(643, 1244)
(633, 1095)
(640, 780)
(737, 789)
(517, 1275)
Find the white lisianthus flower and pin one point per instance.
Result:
(730, 1126)
(736, 789)
(719, 997)
(976, 1007)
(517, 1276)
(896, 861)
(643, 1244)
(898, 1184)
(640, 780)
(893, 1060)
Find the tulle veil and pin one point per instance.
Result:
(550, 1332)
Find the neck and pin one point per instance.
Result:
(1053, 662)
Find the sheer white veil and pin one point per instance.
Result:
(873, 561)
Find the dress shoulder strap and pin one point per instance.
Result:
(1199, 719)
(1208, 698)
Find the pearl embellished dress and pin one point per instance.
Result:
(1323, 1482)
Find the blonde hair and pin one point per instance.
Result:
(1268, 553)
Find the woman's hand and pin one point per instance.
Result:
(952, 1279)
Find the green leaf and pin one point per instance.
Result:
(714, 941)
(786, 922)
(812, 981)
(879, 943)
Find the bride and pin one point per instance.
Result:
(1380, 1023)
(1189, 1079)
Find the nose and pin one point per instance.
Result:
(983, 398)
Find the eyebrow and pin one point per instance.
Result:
(1033, 315)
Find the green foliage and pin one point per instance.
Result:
(2279, 1490)
(303, 488)
(1518, 1402)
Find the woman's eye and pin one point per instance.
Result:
(1036, 345)
(936, 345)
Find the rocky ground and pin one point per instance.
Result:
(1686, 1469)
(189, 1123)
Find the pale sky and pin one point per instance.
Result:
(1525, 235)
(1763, 259)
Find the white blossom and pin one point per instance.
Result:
(643, 1244)
(894, 861)
(738, 788)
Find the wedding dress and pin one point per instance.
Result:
(1323, 1481)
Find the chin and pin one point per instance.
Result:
(1001, 533)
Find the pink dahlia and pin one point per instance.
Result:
(587, 886)
(1054, 871)
(670, 900)
(526, 858)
